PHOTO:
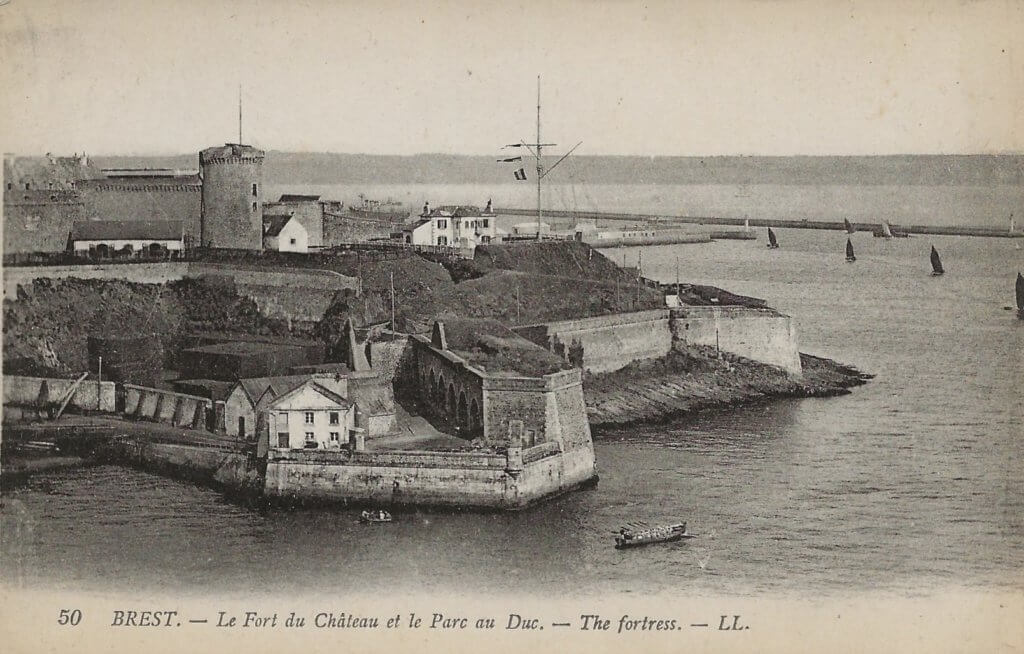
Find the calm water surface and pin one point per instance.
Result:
(912, 482)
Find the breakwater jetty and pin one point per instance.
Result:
(669, 221)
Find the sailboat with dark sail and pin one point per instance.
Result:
(936, 263)
(850, 256)
(773, 243)
(1020, 296)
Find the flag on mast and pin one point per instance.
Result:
(510, 159)
(520, 174)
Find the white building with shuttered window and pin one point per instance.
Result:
(310, 417)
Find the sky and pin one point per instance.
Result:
(757, 77)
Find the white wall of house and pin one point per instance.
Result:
(293, 238)
(455, 232)
(308, 416)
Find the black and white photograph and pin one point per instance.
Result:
(569, 326)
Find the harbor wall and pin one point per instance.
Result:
(762, 335)
(605, 343)
(37, 392)
(223, 468)
(448, 479)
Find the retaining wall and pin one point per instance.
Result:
(605, 343)
(168, 407)
(759, 334)
(38, 392)
(310, 291)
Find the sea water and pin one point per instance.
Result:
(910, 483)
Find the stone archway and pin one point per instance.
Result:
(475, 419)
(462, 417)
(451, 401)
(439, 402)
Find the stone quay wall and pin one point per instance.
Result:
(763, 335)
(512, 480)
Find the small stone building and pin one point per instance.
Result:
(131, 239)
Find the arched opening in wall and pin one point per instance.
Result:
(439, 398)
(476, 422)
(126, 252)
(433, 386)
(463, 414)
(102, 251)
(156, 251)
(451, 400)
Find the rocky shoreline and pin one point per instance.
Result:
(699, 379)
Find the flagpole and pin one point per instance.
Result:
(539, 146)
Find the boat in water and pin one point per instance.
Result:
(375, 516)
(850, 256)
(1020, 296)
(634, 536)
(773, 243)
(936, 263)
(848, 226)
(887, 231)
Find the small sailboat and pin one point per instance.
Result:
(850, 256)
(885, 231)
(848, 226)
(746, 225)
(1020, 296)
(936, 262)
(773, 243)
(644, 535)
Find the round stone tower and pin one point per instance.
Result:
(232, 197)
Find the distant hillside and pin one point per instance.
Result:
(333, 168)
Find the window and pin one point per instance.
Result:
(334, 418)
(334, 437)
(10, 186)
(27, 186)
(442, 240)
(309, 438)
(485, 222)
(282, 439)
(309, 417)
(254, 206)
(291, 241)
(441, 224)
(254, 190)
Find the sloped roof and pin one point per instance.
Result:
(130, 230)
(329, 394)
(255, 387)
(294, 197)
(416, 225)
(272, 225)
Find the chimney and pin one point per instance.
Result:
(437, 337)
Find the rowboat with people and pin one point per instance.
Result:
(378, 515)
(636, 534)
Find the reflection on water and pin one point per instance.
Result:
(911, 482)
